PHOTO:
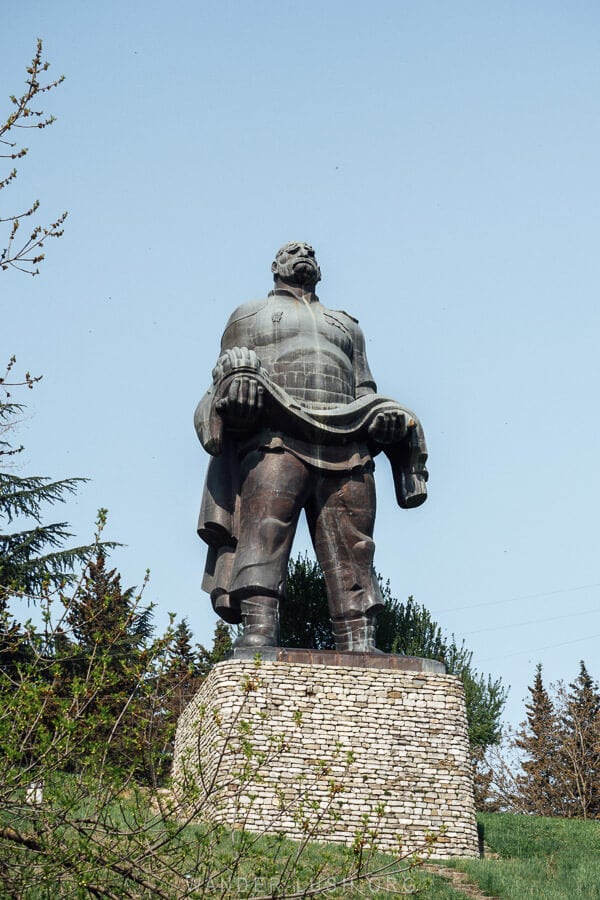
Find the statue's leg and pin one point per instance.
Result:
(341, 515)
(260, 621)
(272, 493)
(355, 634)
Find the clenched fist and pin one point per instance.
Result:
(388, 427)
(242, 405)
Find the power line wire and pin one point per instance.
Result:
(571, 615)
(581, 587)
(588, 637)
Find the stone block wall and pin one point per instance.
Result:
(336, 752)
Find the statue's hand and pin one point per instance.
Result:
(242, 405)
(232, 359)
(388, 427)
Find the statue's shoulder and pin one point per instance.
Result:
(246, 311)
(344, 315)
(344, 319)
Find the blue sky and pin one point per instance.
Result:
(443, 160)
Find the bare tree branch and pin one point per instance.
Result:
(27, 256)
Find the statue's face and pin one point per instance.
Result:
(296, 263)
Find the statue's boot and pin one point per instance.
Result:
(356, 635)
(260, 620)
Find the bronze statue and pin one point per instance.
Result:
(293, 421)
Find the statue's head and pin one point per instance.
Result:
(296, 263)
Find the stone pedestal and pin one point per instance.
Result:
(337, 752)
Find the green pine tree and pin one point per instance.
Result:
(539, 787)
(182, 657)
(104, 617)
(220, 650)
(580, 746)
(109, 649)
(32, 556)
(408, 628)
(304, 613)
(184, 671)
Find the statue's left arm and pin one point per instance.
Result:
(397, 432)
(364, 383)
(387, 427)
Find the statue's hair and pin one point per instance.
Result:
(284, 248)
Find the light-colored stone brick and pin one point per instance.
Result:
(379, 746)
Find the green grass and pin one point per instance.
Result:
(251, 865)
(545, 859)
(78, 831)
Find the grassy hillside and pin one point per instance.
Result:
(545, 859)
(67, 845)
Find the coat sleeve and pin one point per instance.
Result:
(208, 423)
(238, 331)
(363, 379)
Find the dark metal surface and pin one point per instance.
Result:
(336, 658)
(293, 421)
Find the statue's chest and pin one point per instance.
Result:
(294, 322)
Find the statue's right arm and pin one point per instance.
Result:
(239, 402)
(239, 331)
(208, 423)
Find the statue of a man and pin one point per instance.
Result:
(293, 421)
